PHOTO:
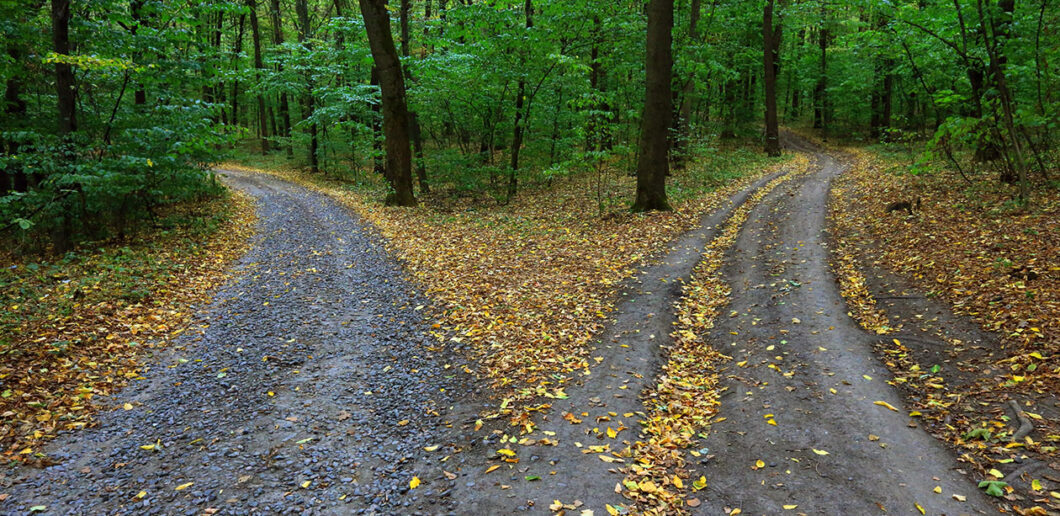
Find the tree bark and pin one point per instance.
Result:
(652, 162)
(414, 122)
(64, 73)
(308, 102)
(263, 130)
(285, 112)
(771, 43)
(517, 131)
(395, 111)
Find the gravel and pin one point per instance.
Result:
(307, 387)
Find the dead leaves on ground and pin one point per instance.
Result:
(987, 259)
(76, 337)
(685, 398)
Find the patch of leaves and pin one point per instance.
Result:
(76, 329)
(987, 259)
(685, 397)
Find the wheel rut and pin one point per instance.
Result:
(799, 361)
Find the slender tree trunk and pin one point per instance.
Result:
(285, 111)
(64, 73)
(13, 177)
(517, 131)
(259, 66)
(378, 166)
(683, 121)
(235, 66)
(136, 12)
(820, 92)
(771, 40)
(308, 102)
(395, 111)
(653, 162)
(414, 122)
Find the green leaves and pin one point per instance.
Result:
(994, 487)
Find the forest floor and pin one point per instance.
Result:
(559, 359)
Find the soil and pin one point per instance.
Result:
(801, 361)
(313, 388)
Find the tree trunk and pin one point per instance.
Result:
(285, 112)
(683, 121)
(377, 129)
(263, 130)
(136, 12)
(64, 73)
(652, 162)
(235, 66)
(395, 111)
(517, 131)
(308, 102)
(771, 43)
(820, 91)
(414, 122)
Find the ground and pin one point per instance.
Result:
(316, 383)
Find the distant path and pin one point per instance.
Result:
(790, 316)
(309, 392)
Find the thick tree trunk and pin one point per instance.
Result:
(395, 111)
(652, 162)
(771, 41)
(263, 130)
(414, 122)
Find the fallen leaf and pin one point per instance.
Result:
(885, 404)
(184, 486)
(819, 452)
(414, 483)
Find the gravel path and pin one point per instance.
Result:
(311, 389)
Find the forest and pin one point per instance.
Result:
(458, 225)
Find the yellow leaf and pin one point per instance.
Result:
(772, 422)
(127, 406)
(305, 485)
(492, 468)
(611, 510)
(681, 485)
(819, 452)
(1036, 485)
(867, 377)
(141, 494)
(700, 484)
(414, 483)
(919, 508)
(736, 511)
(885, 404)
(430, 448)
(790, 507)
(937, 490)
(996, 473)
(611, 433)
(184, 486)
(506, 452)
(760, 464)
